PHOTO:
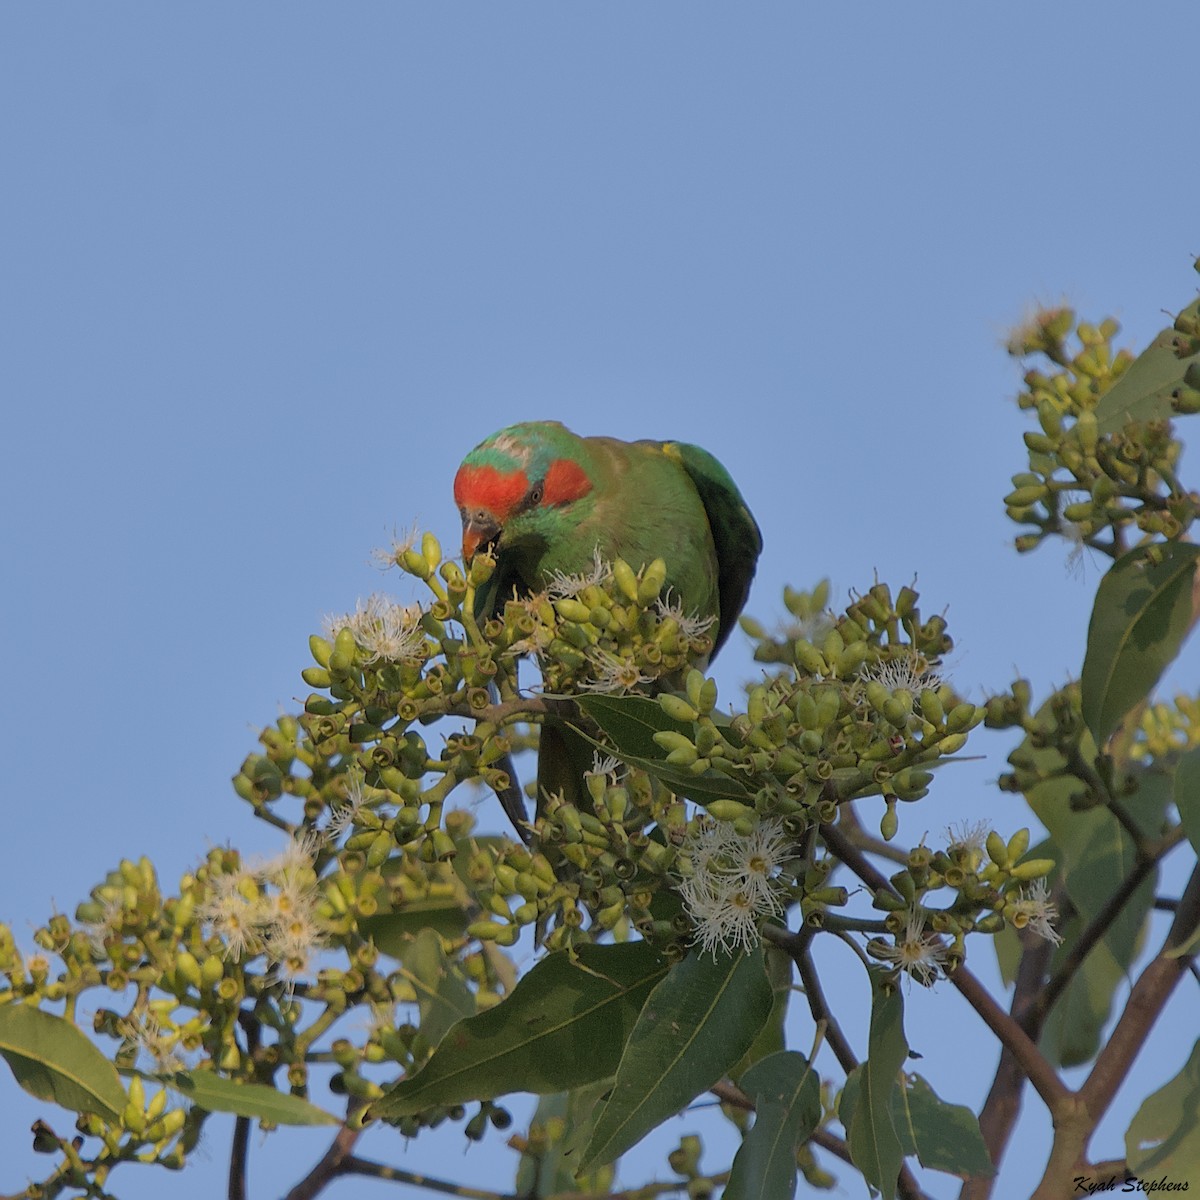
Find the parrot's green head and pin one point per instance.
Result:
(521, 489)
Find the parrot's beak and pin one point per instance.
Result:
(478, 533)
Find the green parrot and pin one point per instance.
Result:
(544, 502)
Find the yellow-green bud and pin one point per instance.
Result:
(809, 658)
(1023, 497)
(889, 823)
(1034, 868)
(997, 849)
(1018, 844)
(1087, 431)
(381, 847)
(671, 741)
(431, 550)
(931, 706)
(316, 677)
(625, 579)
(344, 648)
(964, 716)
(653, 578)
(413, 561)
(677, 708)
(708, 697)
(321, 650)
(572, 610)
(729, 810)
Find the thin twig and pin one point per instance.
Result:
(329, 1167)
(238, 1155)
(840, 845)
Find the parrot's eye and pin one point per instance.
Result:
(535, 496)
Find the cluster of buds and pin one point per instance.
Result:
(863, 713)
(597, 869)
(994, 885)
(1084, 479)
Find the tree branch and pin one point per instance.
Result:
(329, 1167)
(1003, 1103)
(1031, 1060)
(1146, 1000)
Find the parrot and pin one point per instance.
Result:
(545, 503)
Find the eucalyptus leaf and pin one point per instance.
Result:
(564, 1025)
(944, 1137)
(1141, 614)
(1164, 1136)
(872, 1140)
(52, 1060)
(787, 1105)
(697, 1023)
(215, 1093)
(1143, 392)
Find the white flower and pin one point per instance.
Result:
(1035, 911)
(386, 630)
(343, 817)
(560, 585)
(968, 836)
(909, 672)
(387, 557)
(922, 955)
(107, 925)
(270, 907)
(232, 910)
(613, 674)
(160, 1046)
(692, 626)
(611, 768)
(734, 882)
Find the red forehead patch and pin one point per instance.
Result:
(565, 481)
(485, 487)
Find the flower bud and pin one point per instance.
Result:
(677, 708)
(341, 658)
(321, 650)
(653, 578)
(1034, 868)
(625, 579)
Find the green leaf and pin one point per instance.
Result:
(1164, 1136)
(872, 1139)
(771, 1037)
(696, 1024)
(1141, 614)
(560, 1124)
(944, 1137)
(442, 993)
(630, 722)
(1143, 393)
(787, 1096)
(564, 1025)
(214, 1093)
(391, 931)
(52, 1060)
(1187, 795)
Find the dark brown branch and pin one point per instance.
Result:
(352, 1165)
(329, 1167)
(238, 1157)
(1032, 1061)
(840, 845)
(1000, 1110)
(1150, 993)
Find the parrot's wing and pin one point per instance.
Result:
(735, 532)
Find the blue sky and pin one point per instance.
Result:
(267, 272)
